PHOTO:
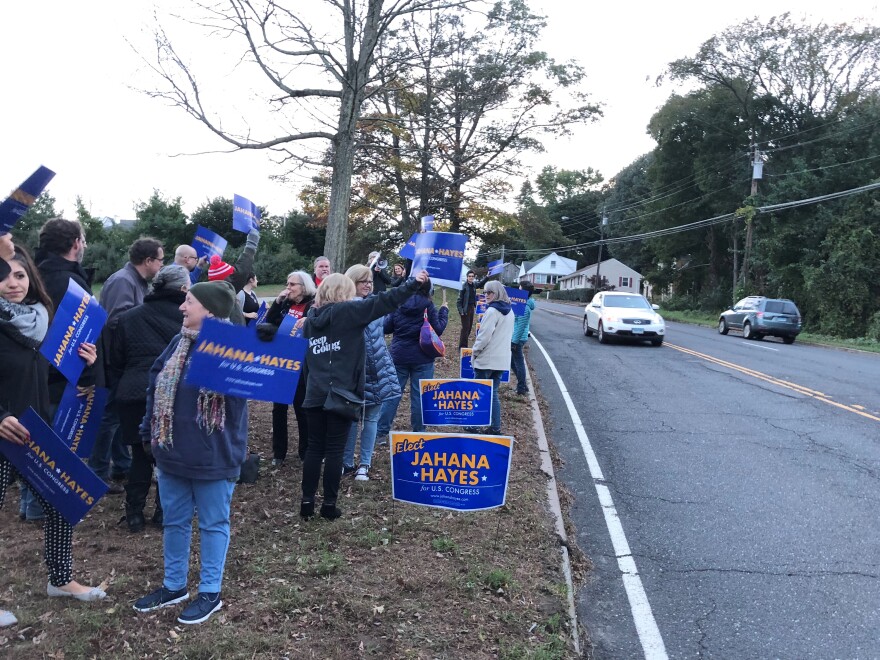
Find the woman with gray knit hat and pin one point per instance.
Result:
(198, 439)
(142, 333)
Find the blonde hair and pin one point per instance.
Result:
(335, 288)
(359, 273)
(498, 289)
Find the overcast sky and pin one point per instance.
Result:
(70, 105)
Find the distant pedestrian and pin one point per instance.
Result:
(520, 337)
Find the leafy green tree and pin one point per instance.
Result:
(163, 219)
(27, 230)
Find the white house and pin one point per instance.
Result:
(619, 276)
(545, 272)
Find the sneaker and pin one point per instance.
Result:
(160, 598)
(7, 619)
(347, 470)
(382, 440)
(115, 488)
(361, 474)
(201, 608)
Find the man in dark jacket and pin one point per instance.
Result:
(467, 302)
(381, 279)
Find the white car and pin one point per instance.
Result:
(624, 315)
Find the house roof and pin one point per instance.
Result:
(607, 262)
(564, 265)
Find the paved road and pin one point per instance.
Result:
(745, 477)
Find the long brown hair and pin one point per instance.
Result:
(36, 292)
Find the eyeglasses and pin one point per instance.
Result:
(490, 293)
(366, 282)
(293, 284)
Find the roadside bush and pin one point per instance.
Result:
(580, 295)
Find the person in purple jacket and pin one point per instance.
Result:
(411, 363)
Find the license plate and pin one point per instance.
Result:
(638, 331)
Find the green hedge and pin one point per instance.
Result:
(580, 295)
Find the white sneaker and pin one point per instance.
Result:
(7, 619)
(361, 474)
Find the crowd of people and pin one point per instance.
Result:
(196, 439)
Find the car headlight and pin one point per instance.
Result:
(611, 318)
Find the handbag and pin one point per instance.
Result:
(250, 469)
(343, 403)
(429, 341)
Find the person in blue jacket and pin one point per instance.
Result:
(410, 362)
(520, 337)
(198, 439)
(380, 382)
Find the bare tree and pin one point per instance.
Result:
(282, 45)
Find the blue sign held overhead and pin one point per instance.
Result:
(208, 243)
(428, 223)
(495, 267)
(461, 472)
(78, 319)
(456, 402)
(245, 214)
(53, 470)
(78, 418)
(441, 254)
(408, 251)
(232, 360)
(23, 197)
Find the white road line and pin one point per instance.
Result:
(754, 345)
(646, 627)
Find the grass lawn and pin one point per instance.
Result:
(387, 580)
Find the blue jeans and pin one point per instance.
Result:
(518, 366)
(386, 417)
(412, 373)
(368, 437)
(108, 446)
(495, 377)
(29, 505)
(180, 499)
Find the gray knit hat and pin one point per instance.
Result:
(217, 297)
(172, 278)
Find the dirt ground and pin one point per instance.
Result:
(387, 580)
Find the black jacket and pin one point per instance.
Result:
(57, 272)
(23, 377)
(381, 280)
(336, 349)
(467, 297)
(141, 335)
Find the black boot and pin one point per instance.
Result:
(330, 512)
(134, 518)
(307, 509)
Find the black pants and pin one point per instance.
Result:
(467, 322)
(279, 423)
(140, 475)
(328, 434)
(57, 532)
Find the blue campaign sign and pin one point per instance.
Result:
(287, 327)
(466, 367)
(428, 223)
(495, 267)
(79, 318)
(53, 470)
(456, 402)
(245, 214)
(230, 359)
(408, 251)
(441, 254)
(261, 313)
(461, 472)
(207, 243)
(78, 418)
(518, 298)
(23, 197)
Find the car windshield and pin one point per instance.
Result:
(630, 302)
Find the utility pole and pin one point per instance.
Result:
(601, 240)
(757, 174)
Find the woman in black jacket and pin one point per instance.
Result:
(335, 359)
(141, 335)
(25, 310)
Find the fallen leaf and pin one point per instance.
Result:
(378, 609)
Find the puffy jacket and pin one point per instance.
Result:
(142, 333)
(380, 383)
(492, 345)
(406, 326)
(521, 324)
(24, 376)
(195, 454)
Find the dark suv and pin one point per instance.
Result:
(758, 317)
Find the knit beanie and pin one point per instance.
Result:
(219, 270)
(217, 297)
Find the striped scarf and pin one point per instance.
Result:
(211, 407)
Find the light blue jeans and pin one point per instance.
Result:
(386, 417)
(180, 499)
(368, 437)
(495, 377)
(413, 373)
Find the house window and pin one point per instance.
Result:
(625, 281)
(552, 264)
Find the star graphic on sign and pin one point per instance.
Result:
(58, 470)
(415, 474)
(485, 477)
